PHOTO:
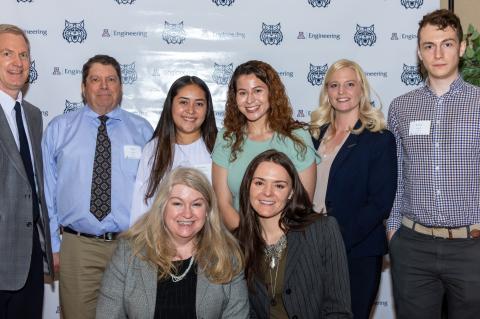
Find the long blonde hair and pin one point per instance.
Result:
(217, 252)
(371, 118)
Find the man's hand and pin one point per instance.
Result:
(56, 262)
(390, 234)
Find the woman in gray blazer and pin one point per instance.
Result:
(178, 260)
(296, 264)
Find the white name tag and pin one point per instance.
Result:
(419, 128)
(132, 151)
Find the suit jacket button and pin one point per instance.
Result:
(29, 224)
(288, 291)
(295, 317)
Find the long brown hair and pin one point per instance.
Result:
(279, 117)
(165, 132)
(297, 214)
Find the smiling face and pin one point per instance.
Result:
(189, 108)
(102, 89)
(252, 98)
(14, 63)
(440, 52)
(344, 91)
(270, 190)
(185, 214)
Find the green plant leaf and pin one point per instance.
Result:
(475, 35)
(469, 53)
(471, 28)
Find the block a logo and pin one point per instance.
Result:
(365, 36)
(319, 3)
(32, 73)
(129, 75)
(222, 73)
(271, 34)
(317, 74)
(71, 106)
(411, 4)
(411, 75)
(173, 33)
(74, 32)
(125, 1)
(105, 33)
(223, 3)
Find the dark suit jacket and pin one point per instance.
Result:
(316, 281)
(16, 204)
(361, 189)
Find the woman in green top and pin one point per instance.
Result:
(258, 117)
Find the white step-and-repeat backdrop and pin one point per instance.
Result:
(158, 41)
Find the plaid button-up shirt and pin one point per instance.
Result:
(439, 164)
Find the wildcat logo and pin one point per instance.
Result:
(222, 73)
(173, 33)
(319, 3)
(365, 36)
(71, 106)
(74, 32)
(411, 4)
(129, 75)
(317, 74)
(411, 75)
(24, 1)
(125, 1)
(271, 34)
(32, 74)
(227, 3)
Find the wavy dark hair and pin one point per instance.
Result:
(166, 136)
(442, 19)
(280, 114)
(296, 216)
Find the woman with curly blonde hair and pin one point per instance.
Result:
(177, 260)
(258, 117)
(356, 180)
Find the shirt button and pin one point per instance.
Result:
(29, 224)
(438, 192)
(438, 122)
(437, 144)
(437, 167)
(288, 291)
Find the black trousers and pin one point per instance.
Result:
(425, 270)
(27, 302)
(365, 274)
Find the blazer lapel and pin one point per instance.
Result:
(342, 155)
(202, 286)
(11, 149)
(294, 241)
(149, 276)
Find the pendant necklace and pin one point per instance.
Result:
(176, 278)
(273, 254)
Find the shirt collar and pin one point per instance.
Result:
(115, 114)
(8, 103)
(456, 86)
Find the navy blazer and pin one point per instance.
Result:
(361, 189)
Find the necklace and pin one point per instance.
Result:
(176, 278)
(273, 253)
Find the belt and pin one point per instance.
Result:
(104, 237)
(471, 231)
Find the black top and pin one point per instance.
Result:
(177, 299)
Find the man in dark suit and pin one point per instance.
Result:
(24, 226)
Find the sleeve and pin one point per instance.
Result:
(221, 152)
(311, 156)
(337, 285)
(395, 219)
(110, 298)
(50, 181)
(147, 131)
(382, 184)
(139, 207)
(237, 305)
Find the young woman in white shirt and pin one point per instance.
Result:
(184, 136)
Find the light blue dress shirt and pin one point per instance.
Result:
(68, 147)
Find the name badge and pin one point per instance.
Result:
(419, 128)
(132, 151)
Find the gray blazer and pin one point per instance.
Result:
(16, 204)
(316, 281)
(129, 289)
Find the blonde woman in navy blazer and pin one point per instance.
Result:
(357, 182)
